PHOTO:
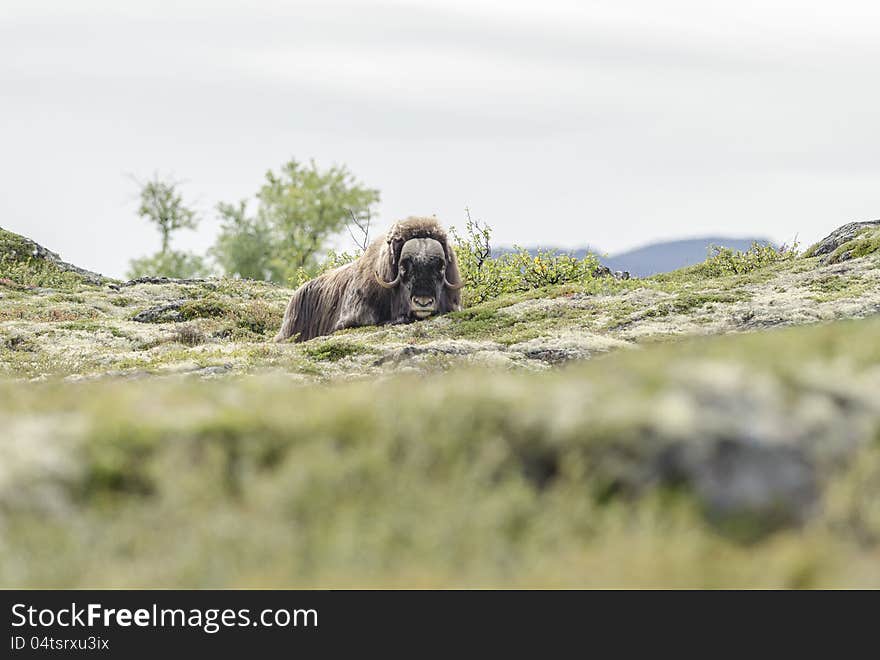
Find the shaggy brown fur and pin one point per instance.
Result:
(350, 296)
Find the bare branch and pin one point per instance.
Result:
(482, 245)
(363, 226)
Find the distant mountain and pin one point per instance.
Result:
(670, 255)
(661, 257)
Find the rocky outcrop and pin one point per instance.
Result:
(164, 280)
(828, 246)
(20, 248)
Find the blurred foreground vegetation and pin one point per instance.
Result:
(622, 471)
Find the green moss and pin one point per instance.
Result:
(67, 298)
(687, 302)
(834, 287)
(256, 318)
(480, 323)
(804, 265)
(333, 350)
(620, 314)
(833, 283)
(204, 308)
(59, 313)
(491, 321)
(85, 326)
(116, 332)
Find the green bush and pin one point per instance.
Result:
(725, 261)
(548, 268)
(487, 277)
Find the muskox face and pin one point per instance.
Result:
(422, 271)
(421, 283)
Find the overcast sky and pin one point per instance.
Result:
(609, 123)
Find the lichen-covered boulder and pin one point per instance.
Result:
(852, 240)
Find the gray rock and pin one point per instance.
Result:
(604, 271)
(838, 237)
(747, 487)
(215, 370)
(167, 313)
(211, 284)
(555, 355)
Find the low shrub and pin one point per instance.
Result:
(725, 261)
(487, 277)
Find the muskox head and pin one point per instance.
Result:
(422, 275)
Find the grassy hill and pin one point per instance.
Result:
(681, 430)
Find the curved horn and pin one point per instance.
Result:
(387, 285)
(450, 285)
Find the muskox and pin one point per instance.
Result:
(411, 273)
